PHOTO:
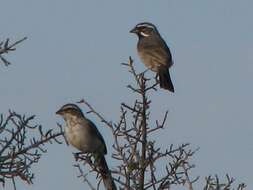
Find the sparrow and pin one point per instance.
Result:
(154, 52)
(82, 133)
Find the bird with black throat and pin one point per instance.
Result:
(82, 134)
(154, 53)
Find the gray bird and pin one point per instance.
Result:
(154, 52)
(82, 133)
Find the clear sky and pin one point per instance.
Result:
(74, 50)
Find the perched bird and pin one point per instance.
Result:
(154, 52)
(82, 133)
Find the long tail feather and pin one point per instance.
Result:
(165, 80)
(106, 174)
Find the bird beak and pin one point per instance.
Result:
(58, 112)
(134, 30)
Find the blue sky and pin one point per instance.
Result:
(74, 50)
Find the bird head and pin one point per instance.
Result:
(144, 29)
(70, 110)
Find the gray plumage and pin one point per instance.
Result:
(82, 133)
(154, 52)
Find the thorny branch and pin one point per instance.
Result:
(213, 183)
(6, 47)
(18, 152)
(89, 161)
(142, 164)
(84, 176)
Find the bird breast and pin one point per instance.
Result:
(77, 135)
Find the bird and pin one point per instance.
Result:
(83, 134)
(154, 52)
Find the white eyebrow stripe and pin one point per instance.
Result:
(143, 34)
(145, 25)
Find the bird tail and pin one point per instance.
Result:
(165, 80)
(106, 174)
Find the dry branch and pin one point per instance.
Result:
(141, 163)
(6, 47)
(21, 145)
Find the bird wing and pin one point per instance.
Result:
(96, 134)
(157, 50)
(159, 55)
(169, 56)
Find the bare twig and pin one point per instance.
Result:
(6, 47)
(135, 150)
(18, 153)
